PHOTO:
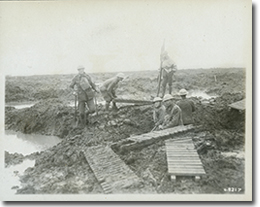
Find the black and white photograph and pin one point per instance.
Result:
(126, 100)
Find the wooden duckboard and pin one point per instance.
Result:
(183, 159)
(111, 172)
(240, 105)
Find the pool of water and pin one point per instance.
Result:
(24, 144)
(27, 143)
(21, 106)
(200, 94)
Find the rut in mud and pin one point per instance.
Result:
(64, 169)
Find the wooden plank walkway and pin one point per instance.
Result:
(111, 172)
(183, 159)
(240, 105)
(143, 140)
(133, 101)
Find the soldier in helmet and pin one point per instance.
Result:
(108, 89)
(168, 73)
(173, 114)
(187, 107)
(85, 91)
(158, 111)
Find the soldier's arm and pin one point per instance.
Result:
(91, 83)
(161, 116)
(154, 117)
(73, 82)
(111, 88)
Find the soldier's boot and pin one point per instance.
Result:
(107, 106)
(163, 90)
(170, 89)
(82, 120)
(114, 107)
(87, 119)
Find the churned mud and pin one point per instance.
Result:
(64, 169)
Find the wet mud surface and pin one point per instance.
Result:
(63, 169)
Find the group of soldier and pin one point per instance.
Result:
(166, 113)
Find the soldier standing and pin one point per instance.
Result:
(168, 73)
(85, 91)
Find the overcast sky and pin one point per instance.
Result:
(55, 37)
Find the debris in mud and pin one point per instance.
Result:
(63, 169)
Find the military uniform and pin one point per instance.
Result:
(158, 115)
(168, 71)
(187, 107)
(108, 89)
(173, 116)
(85, 90)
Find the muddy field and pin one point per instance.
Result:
(63, 169)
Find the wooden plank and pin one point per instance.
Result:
(189, 171)
(176, 144)
(184, 164)
(180, 153)
(187, 167)
(108, 167)
(173, 155)
(239, 105)
(189, 162)
(181, 150)
(191, 159)
(186, 174)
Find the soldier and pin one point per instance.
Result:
(158, 112)
(168, 73)
(85, 90)
(108, 88)
(173, 114)
(187, 107)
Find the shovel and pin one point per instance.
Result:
(96, 108)
(75, 122)
(154, 128)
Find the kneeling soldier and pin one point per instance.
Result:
(158, 112)
(173, 114)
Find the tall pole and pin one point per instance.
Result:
(160, 74)
(160, 77)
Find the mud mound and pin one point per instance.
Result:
(61, 169)
(54, 117)
(49, 117)
(215, 113)
(13, 159)
(16, 91)
(150, 163)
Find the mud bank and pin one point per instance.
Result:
(63, 169)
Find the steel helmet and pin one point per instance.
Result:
(81, 67)
(120, 75)
(167, 97)
(183, 92)
(157, 99)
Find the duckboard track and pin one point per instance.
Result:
(112, 173)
